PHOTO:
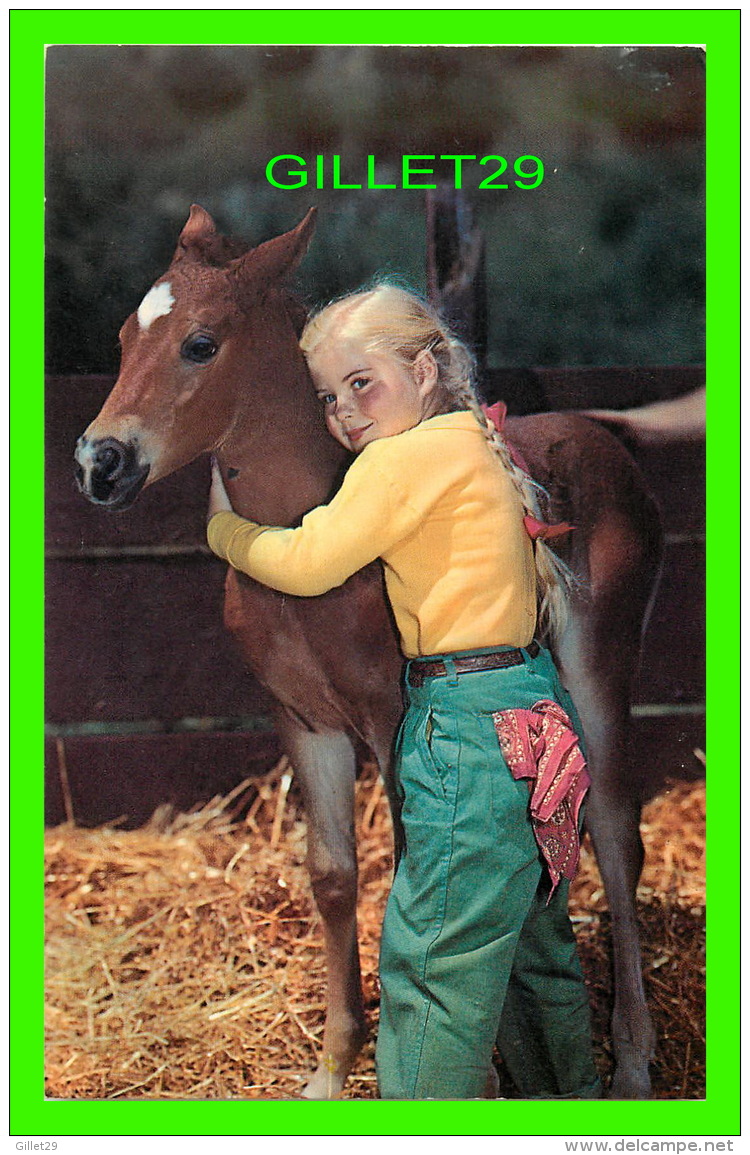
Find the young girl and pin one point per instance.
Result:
(477, 946)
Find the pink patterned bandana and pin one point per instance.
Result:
(542, 745)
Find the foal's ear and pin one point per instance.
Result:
(199, 227)
(275, 260)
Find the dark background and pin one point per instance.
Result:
(601, 268)
(600, 265)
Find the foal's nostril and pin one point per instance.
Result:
(108, 472)
(108, 460)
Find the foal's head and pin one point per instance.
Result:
(215, 319)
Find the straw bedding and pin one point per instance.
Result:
(184, 960)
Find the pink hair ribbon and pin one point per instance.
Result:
(536, 529)
(540, 529)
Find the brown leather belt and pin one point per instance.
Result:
(420, 669)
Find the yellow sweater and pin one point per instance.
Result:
(437, 506)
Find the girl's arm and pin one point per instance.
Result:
(369, 514)
(218, 498)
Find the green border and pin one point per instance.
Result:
(31, 30)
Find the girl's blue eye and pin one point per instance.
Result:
(360, 382)
(327, 398)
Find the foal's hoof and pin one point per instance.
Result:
(492, 1086)
(631, 1079)
(326, 1083)
(630, 1085)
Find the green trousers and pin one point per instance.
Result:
(471, 953)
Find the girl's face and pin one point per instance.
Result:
(367, 396)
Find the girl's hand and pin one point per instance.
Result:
(218, 498)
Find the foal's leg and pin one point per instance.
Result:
(325, 767)
(599, 677)
(381, 740)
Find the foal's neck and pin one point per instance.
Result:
(279, 461)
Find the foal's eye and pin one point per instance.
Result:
(199, 348)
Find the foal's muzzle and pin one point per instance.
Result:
(107, 472)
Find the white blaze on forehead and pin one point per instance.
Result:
(157, 303)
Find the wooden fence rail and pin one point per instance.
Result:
(149, 704)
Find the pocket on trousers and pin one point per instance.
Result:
(428, 775)
(442, 746)
(509, 796)
(427, 762)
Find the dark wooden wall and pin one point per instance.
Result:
(147, 702)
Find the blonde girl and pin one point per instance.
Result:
(477, 946)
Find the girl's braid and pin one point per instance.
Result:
(554, 578)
